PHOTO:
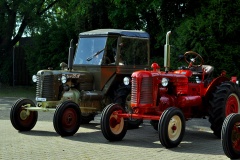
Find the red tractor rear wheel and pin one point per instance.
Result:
(171, 127)
(231, 136)
(225, 100)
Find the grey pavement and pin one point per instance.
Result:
(42, 142)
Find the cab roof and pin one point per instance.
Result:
(105, 32)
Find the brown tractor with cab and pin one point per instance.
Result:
(92, 79)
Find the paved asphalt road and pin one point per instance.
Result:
(89, 144)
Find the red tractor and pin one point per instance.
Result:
(168, 98)
(231, 136)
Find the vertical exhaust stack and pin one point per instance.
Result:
(70, 55)
(167, 52)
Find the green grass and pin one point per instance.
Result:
(17, 91)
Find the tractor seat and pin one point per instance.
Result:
(208, 69)
(197, 71)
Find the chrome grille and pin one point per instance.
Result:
(44, 87)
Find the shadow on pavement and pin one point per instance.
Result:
(39, 133)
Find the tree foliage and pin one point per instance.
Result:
(15, 17)
(209, 27)
(214, 34)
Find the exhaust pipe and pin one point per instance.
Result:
(167, 52)
(70, 55)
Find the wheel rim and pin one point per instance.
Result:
(26, 117)
(236, 137)
(115, 125)
(69, 119)
(232, 104)
(174, 128)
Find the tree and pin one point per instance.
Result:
(65, 22)
(19, 14)
(213, 33)
(16, 17)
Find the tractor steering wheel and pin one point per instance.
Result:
(194, 58)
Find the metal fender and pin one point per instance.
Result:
(212, 86)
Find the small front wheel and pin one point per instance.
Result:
(230, 136)
(171, 127)
(21, 118)
(66, 119)
(113, 127)
(123, 97)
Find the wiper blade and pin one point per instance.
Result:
(94, 55)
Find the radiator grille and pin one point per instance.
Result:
(146, 90)
(45, 88)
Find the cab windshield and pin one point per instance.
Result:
(90, 50)
(105, 51)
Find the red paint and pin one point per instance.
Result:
(149, 98)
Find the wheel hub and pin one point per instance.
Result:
(69, 119)
(23, 115)
(113, 122)
(174, 127)
(116, 124)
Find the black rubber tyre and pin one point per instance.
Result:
(123, 97)
(66, 119)
(224, 101)
(230, 136)
(112, 129)
(171, 127)
(86, 119)
(19, 118)
(154, 123)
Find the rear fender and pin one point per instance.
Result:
(212, 86)
(109, 84)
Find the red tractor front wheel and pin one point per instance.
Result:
(171, 127)
(113, 127)
(230, 135)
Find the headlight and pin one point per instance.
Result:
(164, 82)
(34, 78)
(64, 79)
(126, 80)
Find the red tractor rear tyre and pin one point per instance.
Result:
(22, 119)
(113, 127)
(171, 127)
(225, 100)
(66, 119)
(230, 135)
